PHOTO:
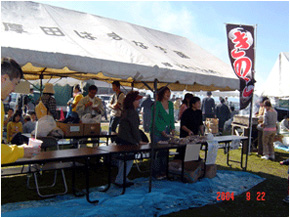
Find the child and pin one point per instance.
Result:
(14, 127)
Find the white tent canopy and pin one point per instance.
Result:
(277, 83)
(57, 42)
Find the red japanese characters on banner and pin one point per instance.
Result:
(241, 53)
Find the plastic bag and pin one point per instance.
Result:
(40, 110)
(212, 152)
(88, 118)
(45, 125)
(56, 132)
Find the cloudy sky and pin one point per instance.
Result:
(203, 22)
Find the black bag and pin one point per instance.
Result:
(19, 139)
(144, 138)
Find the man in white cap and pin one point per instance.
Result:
(48, 99)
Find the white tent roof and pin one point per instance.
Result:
(277, 83)
(66, 43)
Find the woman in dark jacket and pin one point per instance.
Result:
(128, 133)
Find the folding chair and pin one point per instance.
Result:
(37, 170)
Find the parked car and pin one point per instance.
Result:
(18, 99)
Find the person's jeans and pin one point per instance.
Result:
(160, 160)
(129, 163)
(119, 177)
(114, 121)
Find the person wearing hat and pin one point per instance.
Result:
(208, 107)
(128, 133)
(48, 99)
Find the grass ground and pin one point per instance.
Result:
(275, 187)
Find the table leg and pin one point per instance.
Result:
(124, 175)
(227, 144)
(205, 157)
(107, 187)
(242, 158)
(167, 162)
(74, 189)
(182, 165)
(88, 183)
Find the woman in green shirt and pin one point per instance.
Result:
(164, 126)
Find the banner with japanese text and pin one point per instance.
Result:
(241, 45)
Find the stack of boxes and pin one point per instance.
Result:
(79, 129)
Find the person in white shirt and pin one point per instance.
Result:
(90, 107)
(116, 105)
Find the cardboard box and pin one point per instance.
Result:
(91, 129)
(210, 171)
(192, 169)
(71, 129)
(212, 125)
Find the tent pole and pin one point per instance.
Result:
(148, 86)
(132, 86)
(153, 142)
(41, 78)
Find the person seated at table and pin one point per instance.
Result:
(128, 133)
(14, 127)
(164, 126)
(191, 122)
(11, 74)
(28, 126)
(7, 118)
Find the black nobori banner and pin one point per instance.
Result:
(241, 52)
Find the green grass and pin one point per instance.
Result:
(275, 187)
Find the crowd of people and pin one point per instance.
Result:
(124, 118)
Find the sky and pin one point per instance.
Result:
(203, 22)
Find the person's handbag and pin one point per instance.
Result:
(259, 127)
(144, 138)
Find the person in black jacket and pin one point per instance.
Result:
(208, 107)
(146, 104)
(128, 133)
(223, 113)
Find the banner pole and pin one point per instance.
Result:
(251, 105)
